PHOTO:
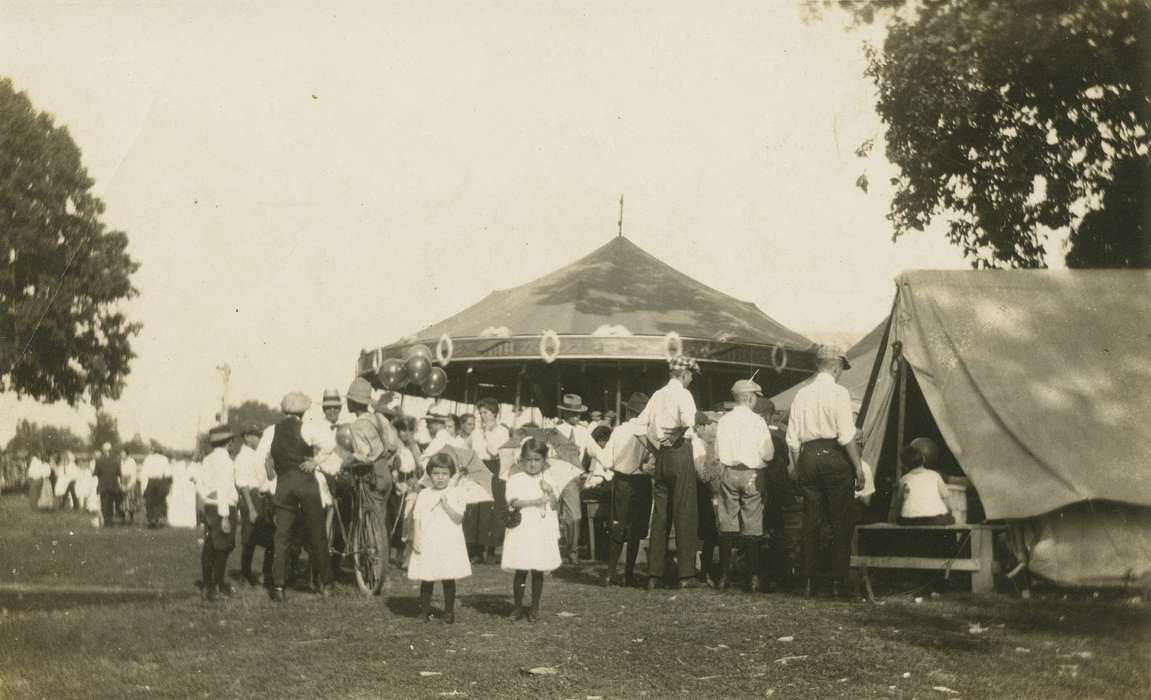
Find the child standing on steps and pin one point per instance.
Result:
(438, 549)
(532, 545)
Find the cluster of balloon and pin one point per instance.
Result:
(415, 368)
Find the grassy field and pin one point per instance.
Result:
(59, 640)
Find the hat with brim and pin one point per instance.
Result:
(331, 399)
(572, 403)
(832, 352)
(637, 402)
(360, 391)
(252, 428)
(220, 434)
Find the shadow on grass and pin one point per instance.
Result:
(491, 604)
(60, 600)
(403, 606)
(585, 574)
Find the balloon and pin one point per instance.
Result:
(420, 350)
(436, 382)
(418, 368)
(392, 374)
(344, 438)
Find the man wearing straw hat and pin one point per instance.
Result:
(821, 439)
(668, 416)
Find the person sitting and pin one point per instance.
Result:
(922, 491)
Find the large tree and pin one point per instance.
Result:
(1011, 117)
(105, 430)
(63, 275)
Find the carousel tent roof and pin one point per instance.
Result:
(1038, 381)
(862, 359)
(618, 284)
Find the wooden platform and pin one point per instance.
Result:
(980, 564)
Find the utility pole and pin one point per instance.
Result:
(225, 373)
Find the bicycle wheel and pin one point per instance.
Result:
(368, 555)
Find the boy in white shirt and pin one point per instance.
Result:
(922, 491)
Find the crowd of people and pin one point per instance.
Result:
(470, 491)
(115, 487)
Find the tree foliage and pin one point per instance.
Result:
(1009, 117)
(43, 441)
(105, 430)
(63, 276)
(252, 411)
(239, 417)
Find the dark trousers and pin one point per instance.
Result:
(217, 545)
(298, 494)
(108, 502)
(674, 505)
(827, 481)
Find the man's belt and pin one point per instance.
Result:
(821, 442)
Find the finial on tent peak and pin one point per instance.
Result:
(621, 216)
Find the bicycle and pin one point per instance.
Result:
(361, 550)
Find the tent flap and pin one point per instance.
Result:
(1039, 381)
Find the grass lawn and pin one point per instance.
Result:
(58, 641)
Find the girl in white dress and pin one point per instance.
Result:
(533, 544)
(438, 549)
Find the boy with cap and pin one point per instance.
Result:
(248, 478)
(668, 416)
(743, 445)
(217, 490)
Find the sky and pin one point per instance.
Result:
(301, 181)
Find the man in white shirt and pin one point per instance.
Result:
(155, 480)
(821, 439)
(668, 416)
(217, 491)
(630, 504)
(743, 445)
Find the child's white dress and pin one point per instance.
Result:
(534, 543)
(442, 553)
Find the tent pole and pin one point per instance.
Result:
(899, 437)
(519, 387)
(618, 395)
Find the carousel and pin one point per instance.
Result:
(602, 327)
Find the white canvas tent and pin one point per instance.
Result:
(1039, 383)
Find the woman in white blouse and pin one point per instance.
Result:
(486, 441)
